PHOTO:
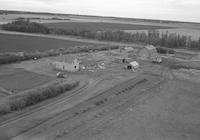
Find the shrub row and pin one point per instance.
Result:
(154, 37)
(35, 96)
(6, 58)
(162, 50)
(22, 25)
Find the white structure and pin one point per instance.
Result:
(67, 66)
(133, 65)
(128, 49)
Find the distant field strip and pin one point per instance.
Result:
(17, 43)
(101, 26)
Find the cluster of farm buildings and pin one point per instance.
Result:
(146, 53)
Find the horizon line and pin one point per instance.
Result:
(90, 15)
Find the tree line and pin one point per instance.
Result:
(154, 37)
(24, 25)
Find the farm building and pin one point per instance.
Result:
(128, 49)
(70, 66)
(149, 53)
(133, 65)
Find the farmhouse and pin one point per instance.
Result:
(149, 53)
(70, 66)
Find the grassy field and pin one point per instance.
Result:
(17, 43)
(19, 80)
(101, 26)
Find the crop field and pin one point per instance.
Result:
(101, 26)
(14, 43)
(19, 80)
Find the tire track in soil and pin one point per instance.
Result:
(27, 115)
(103, 117)
(98, 106)
(24, 115)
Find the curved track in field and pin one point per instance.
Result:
(58, 105)
(57, 101)
(96, 106)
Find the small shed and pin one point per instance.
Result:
(133, 65)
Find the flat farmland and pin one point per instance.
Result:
(17, 43)
(101, 26)
(19, 80)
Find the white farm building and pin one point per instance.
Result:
(133, 65)
(72, 66)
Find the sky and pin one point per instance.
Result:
(182, 10)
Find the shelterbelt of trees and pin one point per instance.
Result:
(22, 25)
(154, 37)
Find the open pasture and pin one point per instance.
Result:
(18, 43)
(101, 26)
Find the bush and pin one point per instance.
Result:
(162, 50)
(171, 51)
(6, 58)
(35, 96)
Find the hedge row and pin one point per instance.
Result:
(22, 25)
(35, 96)
(6, 58)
